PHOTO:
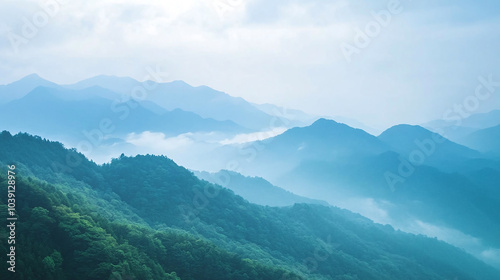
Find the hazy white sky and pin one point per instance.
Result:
(413, 62)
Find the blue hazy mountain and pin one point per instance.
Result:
(457, 127)
(202, 100)
(73, 114)
(455, 186)
(334, 162)
(419, 144)
(425, 193)
(483, 120)
(324, 140)
(485, 140)
(255, 189)
(22, 87)
(122, 85)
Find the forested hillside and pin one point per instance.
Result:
(145, 217)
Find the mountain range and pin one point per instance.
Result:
(408, 176)
(276, 172)
(79, 114)
(202, 100)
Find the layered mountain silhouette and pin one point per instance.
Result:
(324, 140)
(439, 179)
(410, 172)
(87, 113)
(22, 87)
(456, 127)
(202, 100)
(485, 140)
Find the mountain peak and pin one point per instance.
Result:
(325, 125)
(329, 135)
(179, 85)
(404, 139)
(324, 121)
(32, 79)
(406, 130)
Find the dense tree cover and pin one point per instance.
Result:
(57, 242)
(145, 217)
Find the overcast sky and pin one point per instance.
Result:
(413, 62)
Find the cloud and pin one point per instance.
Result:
(188, 149)
(157, 142)
(367, 207)
(491, 256)
(457, 238)
(255, 136)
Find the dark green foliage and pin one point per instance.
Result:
(59, 243)
(147, 218)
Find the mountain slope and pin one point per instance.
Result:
(255, 189)
(314, 241)
(63, 237)
(352, 169)
(423, 146)
(485, 140)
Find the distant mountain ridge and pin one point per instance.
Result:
(255, 189)
(486, 140)
(334, 162)
(457, 128)
(407, 174)
(22, 87)
(56, 110)
(202, 100)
